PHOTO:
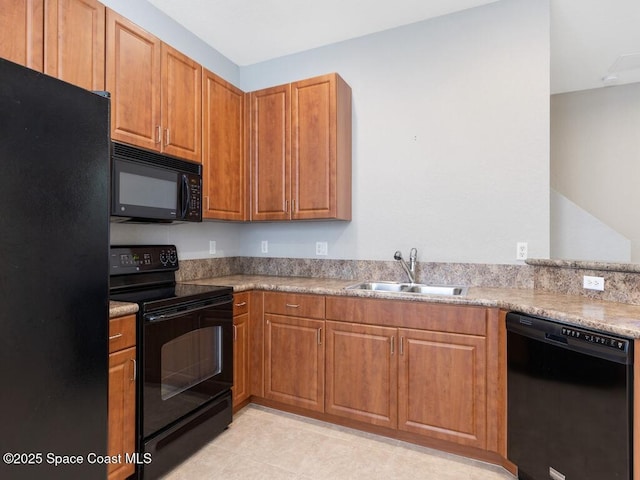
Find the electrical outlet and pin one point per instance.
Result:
(593, 283)
(521, 250)
(322, 248)
(212, 247)
(265, 246)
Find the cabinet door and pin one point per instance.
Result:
(321, 148)
(181, 105)
(21, 32)
(122, 411)
(74, 42)
(271, 153)
(442, 386)
(240, 358)
(133, 78)
(361, 373)
(294, 361)
(225, 169)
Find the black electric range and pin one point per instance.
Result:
(184, 355)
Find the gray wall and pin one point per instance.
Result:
(450, 143)
(595, 164)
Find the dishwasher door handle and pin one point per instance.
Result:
(556, 338)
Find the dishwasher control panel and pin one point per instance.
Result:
(587, 336)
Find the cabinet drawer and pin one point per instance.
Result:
(240, 303)
(294, 304)
(122, 333)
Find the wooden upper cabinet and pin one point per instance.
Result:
(321, 148)
(74, 42)
(181, 105)
(155, 91)
(21, 32)
(225, 169)
(301, 150)
(133, 79)
(271, 153)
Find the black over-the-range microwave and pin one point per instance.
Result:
(150, 187)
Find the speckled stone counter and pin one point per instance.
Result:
(619, 318)
(119, 309)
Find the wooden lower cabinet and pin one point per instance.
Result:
(361, 373)
(427, 373)
(442, 386)
(122, 395)
(294, 361)
(241, 347)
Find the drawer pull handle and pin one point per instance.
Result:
(393, 345)
(235, 333)
(113, 337)
(292, 305)
(241, 304)
(319, 336)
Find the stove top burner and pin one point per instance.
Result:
(169, 294)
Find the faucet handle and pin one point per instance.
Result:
(414, 253)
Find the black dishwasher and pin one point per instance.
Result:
(569, 407)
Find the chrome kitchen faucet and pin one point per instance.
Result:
(411, 268)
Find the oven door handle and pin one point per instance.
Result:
(149, 317)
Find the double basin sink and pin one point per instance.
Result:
(418, 288)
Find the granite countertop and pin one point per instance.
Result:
(119, 309)
(613, 317)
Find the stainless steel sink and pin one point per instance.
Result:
(380, 286)
(435, 289)
(418, 288)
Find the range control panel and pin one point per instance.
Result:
(591, 337)
(143, 258)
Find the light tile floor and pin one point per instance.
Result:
(266, 444)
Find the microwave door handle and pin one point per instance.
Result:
(186, 195)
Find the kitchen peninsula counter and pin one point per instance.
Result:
(618, 318)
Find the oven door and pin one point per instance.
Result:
(187, 361)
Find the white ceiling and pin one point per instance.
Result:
(590, 39)
(252, 31)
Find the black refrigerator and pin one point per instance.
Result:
(54, 245)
